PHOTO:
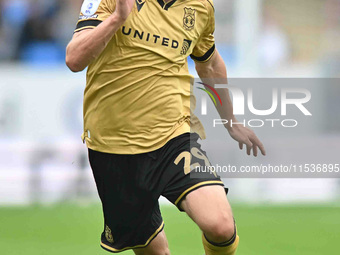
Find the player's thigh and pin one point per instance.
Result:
(158, 246)
(209, 208)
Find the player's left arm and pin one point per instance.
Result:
(213, 72)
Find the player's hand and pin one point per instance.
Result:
(124, 8)
(246, 136)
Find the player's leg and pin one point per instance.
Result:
(132, 218)
(158, 246)
(209, 208)
(200, 194)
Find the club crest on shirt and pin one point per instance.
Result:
(189, 18)
(90, 7)
(108, 234)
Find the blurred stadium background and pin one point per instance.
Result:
(48, 200)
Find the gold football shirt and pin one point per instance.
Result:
(137, 95)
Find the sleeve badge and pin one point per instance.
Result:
(90, 7)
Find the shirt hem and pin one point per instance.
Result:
(124, 150)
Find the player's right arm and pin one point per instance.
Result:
(86, 45)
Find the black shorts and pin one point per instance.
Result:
(129, 187)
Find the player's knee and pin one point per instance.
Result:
(221, 229)
(166, 251)
(163, 251)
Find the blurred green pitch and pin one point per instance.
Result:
(71, 229)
